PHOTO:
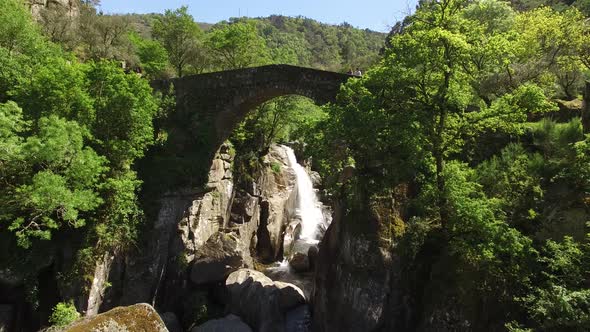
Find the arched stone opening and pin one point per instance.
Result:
(210, 106)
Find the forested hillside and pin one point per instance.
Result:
(582, 5)
(150, 43)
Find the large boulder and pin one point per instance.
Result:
(216, 259)
(230, 323)
(300, 262)
(136, 318)
(261, 302)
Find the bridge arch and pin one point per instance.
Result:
(210, 106)
(225, 98)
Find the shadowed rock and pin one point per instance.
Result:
(261, 302)
(231, 323)
(216, 259)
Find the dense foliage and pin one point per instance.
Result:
(70, 134)
(503, 200)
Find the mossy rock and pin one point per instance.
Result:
(135, 318)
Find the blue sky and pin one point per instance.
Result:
(377, 15)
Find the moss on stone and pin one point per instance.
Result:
(136, 318)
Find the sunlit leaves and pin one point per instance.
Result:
(237, 45)
(180, 36)
(52, 178)
(124, 109)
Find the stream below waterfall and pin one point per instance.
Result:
(307, 223)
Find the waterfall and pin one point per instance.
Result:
(308, 207)
(308, 219)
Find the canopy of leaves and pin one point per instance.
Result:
(180, 36)
(237, 45)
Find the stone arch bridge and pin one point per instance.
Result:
(226, 97)
(209, 106)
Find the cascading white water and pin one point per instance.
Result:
(313, 218)
(308, 207)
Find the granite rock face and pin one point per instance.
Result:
(278, 193)
(357, 272)
(157, 271)
(211, 212)
(70, 8)
(216, 259)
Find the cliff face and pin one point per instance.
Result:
(358, 274)
(69, 7)
(201, 236)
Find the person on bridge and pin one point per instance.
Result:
(358, 72)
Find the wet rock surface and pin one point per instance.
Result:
(298, 320)
(300, 262)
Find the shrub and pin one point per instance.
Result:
(63, 314)
(276, 167)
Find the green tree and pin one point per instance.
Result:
(17, 32)
(124, 108)
(105, 36)
(458, 73)
(181, 37)
(50, 178)
(279, 120)
(237, 45)
(56, 87)
(153, 57)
